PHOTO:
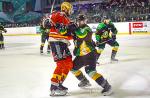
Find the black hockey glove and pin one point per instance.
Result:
(72, 27)
(47, 24)
(57, 25)
(97, 43)
(60, 26)
(113, 37)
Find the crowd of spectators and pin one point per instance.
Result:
(116, 10)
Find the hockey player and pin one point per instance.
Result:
(106, 34)
(59, 43)
(1, 37)
(44, 37)
(85, 53)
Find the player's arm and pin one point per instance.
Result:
(71, 28)
(113, 30)
(99, 32)
(41, 29)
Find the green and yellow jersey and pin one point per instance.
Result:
(43, 31)
(2, 29)
(104, 31)
(83, 41)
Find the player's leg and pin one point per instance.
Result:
(78, 63)
(0, 44)
(3, 47)
(99, 51)
(55, 88)
(48, 46)
(57, 75)
(115, 46)
(1, 41)
(90, 69)
(67, 63)
(42, 43)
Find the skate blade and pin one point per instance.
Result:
(86, 86)
(41, 53)
(110, 92)
(112, 62)
(58, 93)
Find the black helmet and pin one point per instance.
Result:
(81, 17)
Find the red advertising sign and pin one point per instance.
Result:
(138, 25)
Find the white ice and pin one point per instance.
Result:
(24, 73)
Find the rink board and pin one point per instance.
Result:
(122, 27)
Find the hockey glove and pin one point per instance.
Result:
(98, 43)
(72, 26)
(47, 24)
(113, 37)
(60, 26)
(57, 25)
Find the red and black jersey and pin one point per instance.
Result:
(62, 19)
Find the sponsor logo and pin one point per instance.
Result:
(138, 25)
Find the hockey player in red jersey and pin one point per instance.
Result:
(59, 41)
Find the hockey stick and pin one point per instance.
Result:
(52, 7)
(49, 18)
(105, 41)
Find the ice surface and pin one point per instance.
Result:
(24, 73)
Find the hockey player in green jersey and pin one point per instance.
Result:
(2, 29)
(44, 37)
(106, 34)
(85, 53)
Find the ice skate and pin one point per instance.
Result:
(84, 83)
(107, 90)
(113, 55)
(57, 91)
(41, 51)
(48, 49)
(62, 87)
(114, 60)
(3, 47)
